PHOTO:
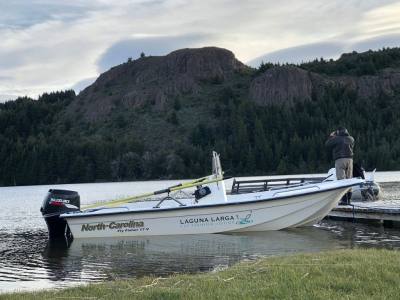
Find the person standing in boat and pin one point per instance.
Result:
(342, 145)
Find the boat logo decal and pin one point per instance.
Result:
(132, 225)
(221, 219)
(58, 201)
(246, 220)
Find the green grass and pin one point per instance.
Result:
(344, 274)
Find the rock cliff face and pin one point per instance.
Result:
(372, 86)
(284, 85)
(156, 80)
(288, 85)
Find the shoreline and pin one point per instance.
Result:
(355, 273)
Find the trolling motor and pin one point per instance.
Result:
(56, 203)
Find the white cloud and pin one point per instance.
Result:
(299, 54)
(381, 20)
(48, 45)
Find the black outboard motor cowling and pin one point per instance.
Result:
(56, 203)
(358, 171)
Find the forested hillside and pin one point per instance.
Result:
(160, 117)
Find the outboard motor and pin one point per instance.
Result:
(358, 171)
(56, 203)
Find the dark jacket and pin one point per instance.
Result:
(342, 145)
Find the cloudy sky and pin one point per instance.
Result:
(48, 45)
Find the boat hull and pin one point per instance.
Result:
(260, 215)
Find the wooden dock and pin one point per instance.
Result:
(384, 212)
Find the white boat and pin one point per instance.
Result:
(212, 210)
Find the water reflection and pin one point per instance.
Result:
(29, 261)
(366, 235)
(58, 264)
(98, 259)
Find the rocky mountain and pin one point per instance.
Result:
(158, 81)
(155, 81)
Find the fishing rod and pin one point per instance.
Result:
(178, 187)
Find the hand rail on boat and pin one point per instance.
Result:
(270, 184)
(297, 189)
(280, 187)
(103, 207)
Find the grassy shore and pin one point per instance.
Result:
(344, 274)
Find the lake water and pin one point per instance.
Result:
(28, 261)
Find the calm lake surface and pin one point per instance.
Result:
(28, 261)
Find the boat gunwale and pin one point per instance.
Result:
(152, 210)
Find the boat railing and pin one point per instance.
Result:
(103, 208)
(294, 189)
(257, 185)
